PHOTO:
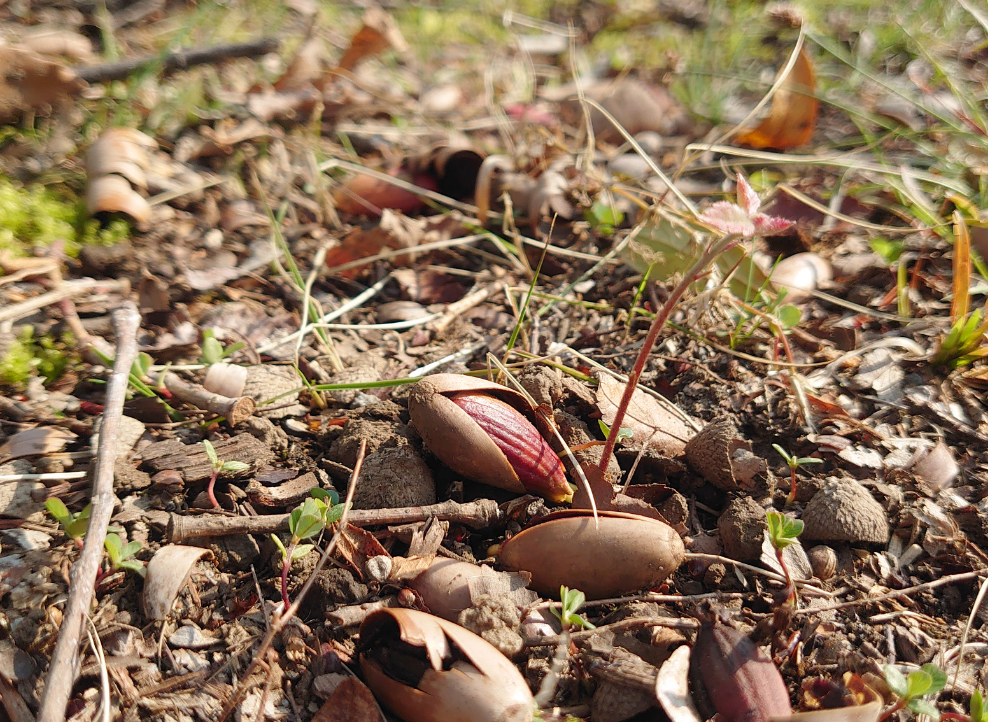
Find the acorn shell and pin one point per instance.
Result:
(455, 438)
(483, 686)
(619, 553)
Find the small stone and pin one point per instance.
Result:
(191, 637)
(823, 561)
(129, 430)
(17, 500)
(742, 526)
(843, 510)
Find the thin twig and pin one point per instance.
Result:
(279, 624)
(942, 581)
(64, 668)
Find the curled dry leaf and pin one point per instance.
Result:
(40, 440)
(379, 32)
(351, 701)
(938, 468)
(226, 380)
(30, 81)
(457, 676)
(167, 573)
(616, 554)
(672, 687)
(793, 116)
(652, 425)
(67, 43)
(122, 151)
(114, 194)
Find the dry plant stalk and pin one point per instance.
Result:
(279, 623)
(65, 662)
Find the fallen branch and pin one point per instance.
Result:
(65, 663)
(479, 514)
(176, 61)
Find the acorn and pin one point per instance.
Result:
(823, 560)
(483, 431)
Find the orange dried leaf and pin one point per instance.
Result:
(792, 119)
(378, 33)
(31, 81)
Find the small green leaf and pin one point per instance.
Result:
(212, 350)
(301, 550)
(334, 513)
(888, 250)
(281, 547)
(977, 707)
(234, 466)
(56, 507)
(133, 565)
(330, 497)
(795, 528)
(937, 676)
(233, 348)
(789, 316)
(895, 681)
(623, 433)
(808, 460)
(211, 453)
(918, 683)
(922, 706)
(113, 548)
(783, 453)
(130, 549)
(142, 364)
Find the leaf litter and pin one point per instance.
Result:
(302, 224)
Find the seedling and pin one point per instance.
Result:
(120, 557)
(74, 525)
(794, 463)
(623, 433)
(979, 713)
(213, 351)
(219, 466)
(782, 532)
(912, 692)
(307, 520)
(572, 600)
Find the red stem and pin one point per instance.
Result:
(791, 499)
(892, 710)
(715, 249)
(209, 489)
(285, 565)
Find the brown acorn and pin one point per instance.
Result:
(482, 430)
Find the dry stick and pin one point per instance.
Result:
(177, 60)
(65, 661)
(624, 624)
(894, 595)
(66, 290)
(479, 514)
(758, 570)
(713, 250)
(967, 627)
(279, 624)
(233, 410)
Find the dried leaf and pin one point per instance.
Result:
(31, 81)
(653, 425)
(114, 194)
(792, 119)
(672, 687)
(167, 573)
(351, 701)
(357, 545)
(42, 440)
(378, 33)
(72, 45)
(306, 67)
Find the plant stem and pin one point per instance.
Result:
(209, 489)
(899, 704)
(791, 499)
(285, 566)
(713, 250)
(790, 587)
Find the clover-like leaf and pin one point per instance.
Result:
(130, 549)
(895, 680)
(937, 676)
(783, 530)
(334, 513)
(301, 550)
(922, 706)
(308, 519)
(918, 684)
(789, 315)
(214, 460)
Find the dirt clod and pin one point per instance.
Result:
(741, 525)
(843, 510)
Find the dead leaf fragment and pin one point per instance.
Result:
(378, 33)
(652, 425)
(29, 81)
(42, 440)
(792, 119)
(167, 572)
(672, 687)
(351, 701)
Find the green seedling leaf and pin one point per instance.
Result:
(572, 600)
(212, 350)
(888, 250)
(783, 453)
(234, 466)
(142, 364)
(803, 460)
(895, 681)
(334, 513)
(623, 433)
(977, 707)
(77, 527)
(308, 519)
(277, 543)
(937, 676)
(328, 497)
(922, 706)
(918, 684)
(301, 550)
(133, 565)
(603, 217)
(56, 507)
(789, 315)
(211, 453)
(783, 530)
(130, 549)
(114, 549)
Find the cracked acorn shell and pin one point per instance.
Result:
(444, 409)
(620, 554)
(463, 678)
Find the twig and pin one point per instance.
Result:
(233, 410)
(624, 624)
(178, 60)
(942, 581)
(64, 668)
(66, 290)
(758, 570)
(479, 514)
(967, 627)
(279, 624)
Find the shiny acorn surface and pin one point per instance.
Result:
(620, 554)
(448, 674)
(483, 431)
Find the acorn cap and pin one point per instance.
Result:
(722, 457)
(843, 510)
